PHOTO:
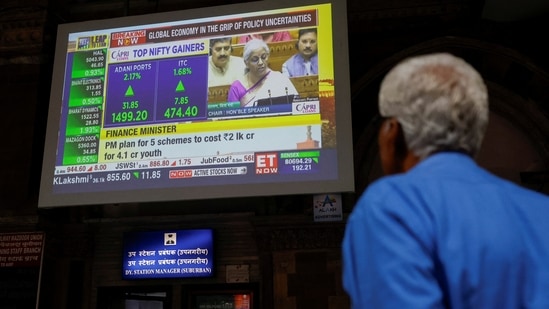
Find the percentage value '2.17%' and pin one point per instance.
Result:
(132, 76)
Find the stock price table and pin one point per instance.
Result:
(167, 90)
(127, 94)
(84, 107)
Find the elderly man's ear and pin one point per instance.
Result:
(395, 155)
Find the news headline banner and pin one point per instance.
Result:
(176, 145)
(274, 22)
(134, 147)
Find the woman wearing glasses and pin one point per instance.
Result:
(259, 81)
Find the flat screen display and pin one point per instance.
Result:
(241, 100)
(168, 254)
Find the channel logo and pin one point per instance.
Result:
(266, 163)
(92, 42)
(177, 174)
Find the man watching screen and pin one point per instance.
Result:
(223, 67)
(439, 231)
(305, 61)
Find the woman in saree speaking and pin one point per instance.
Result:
(259, 81)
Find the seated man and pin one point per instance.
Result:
(223, 68)
(305, 61)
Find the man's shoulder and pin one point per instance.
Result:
(236, 60)
(462, 178)
(390, 187)
(293, 58)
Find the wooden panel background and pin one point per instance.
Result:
(279, 52)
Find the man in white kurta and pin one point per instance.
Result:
(223, 68)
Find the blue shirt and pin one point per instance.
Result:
(295, 66)
(447, 234)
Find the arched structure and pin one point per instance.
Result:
(518, 105)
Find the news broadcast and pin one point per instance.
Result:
(249, 103)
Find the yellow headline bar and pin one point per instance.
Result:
(211, 125)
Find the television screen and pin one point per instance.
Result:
(168, 254)
(249, 99)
